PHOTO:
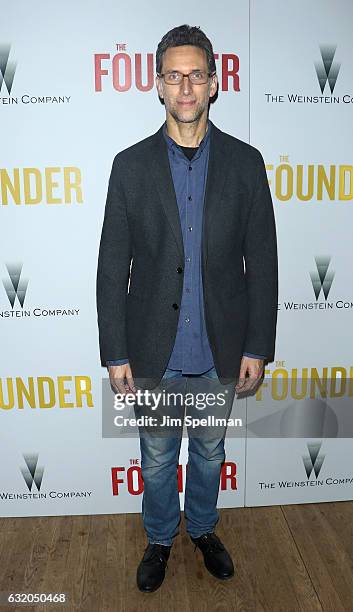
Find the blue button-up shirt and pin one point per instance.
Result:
(191, 352)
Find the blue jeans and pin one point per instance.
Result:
(160, 457)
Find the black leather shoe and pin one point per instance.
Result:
(151, 571)
(217, 559)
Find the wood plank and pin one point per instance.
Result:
(73, 574)
(114, 571)
(94, 564)
(8, 539)
(324, 535)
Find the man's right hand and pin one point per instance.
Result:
(121, 379)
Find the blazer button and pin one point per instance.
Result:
(175, 306)
(179, 270)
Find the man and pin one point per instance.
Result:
(186, 287)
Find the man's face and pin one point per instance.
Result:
(186, 102)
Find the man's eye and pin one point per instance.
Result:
(197, 75)
(173, 75)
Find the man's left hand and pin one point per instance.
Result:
(251, 370)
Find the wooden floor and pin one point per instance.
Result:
(286, 558)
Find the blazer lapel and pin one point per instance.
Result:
(218, 165)
(164, 183)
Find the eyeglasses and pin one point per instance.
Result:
(197, 77)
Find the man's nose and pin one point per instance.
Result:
(186, 85)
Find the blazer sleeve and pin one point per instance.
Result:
(261, 268)
(113, 272)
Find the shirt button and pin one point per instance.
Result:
(175, 306)
(179, 270)
(190, 167)
(188, 259)
(190, 228)
(190, 198)
(187, 320)
(187, 290)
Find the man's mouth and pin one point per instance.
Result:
(186, 102)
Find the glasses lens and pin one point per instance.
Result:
(198, 77)
(173, 77)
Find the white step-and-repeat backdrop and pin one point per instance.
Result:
(76, 87)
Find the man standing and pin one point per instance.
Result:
(186, 287)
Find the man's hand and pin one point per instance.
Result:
(254, 368)
(121, 380)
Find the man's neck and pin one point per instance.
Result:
(187, 134)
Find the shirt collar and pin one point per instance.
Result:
(173, 145)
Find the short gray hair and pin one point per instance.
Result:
(185, 35)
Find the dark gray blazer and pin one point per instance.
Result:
(142, 242)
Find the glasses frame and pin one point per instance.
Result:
(162, 75)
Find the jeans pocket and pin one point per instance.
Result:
(211, 374)
(172, 374)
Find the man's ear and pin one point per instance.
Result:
(214, 84)
(159, 87)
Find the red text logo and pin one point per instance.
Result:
(130, 478)
(124, 70)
